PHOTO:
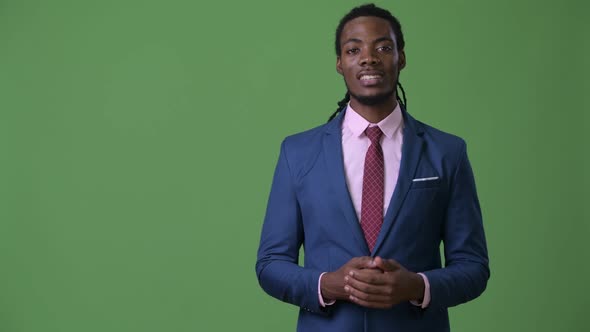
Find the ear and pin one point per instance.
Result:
(401, 64)
(339, 65)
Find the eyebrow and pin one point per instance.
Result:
(356, 40)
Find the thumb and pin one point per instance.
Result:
(386, 264)
(364, 262)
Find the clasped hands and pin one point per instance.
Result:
(372, 283)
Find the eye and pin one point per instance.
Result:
(386, 49)
(352, 51)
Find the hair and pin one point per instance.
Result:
(370, 10)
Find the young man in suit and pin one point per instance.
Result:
(370, 195)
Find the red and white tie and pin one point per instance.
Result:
(373, 183)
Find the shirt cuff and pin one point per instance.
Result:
(320, 297)
(426, 299)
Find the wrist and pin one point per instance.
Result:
(418, 288)
(324, 293)
(327, 287)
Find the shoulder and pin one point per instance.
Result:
(301, 150)
(305, 138)
(434, 137)
(441, 139)
(440, 146)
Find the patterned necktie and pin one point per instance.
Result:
(372, 199)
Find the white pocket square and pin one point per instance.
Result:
(425, 179)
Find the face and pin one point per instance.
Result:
(369, 60)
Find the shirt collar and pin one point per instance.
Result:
(357, 124)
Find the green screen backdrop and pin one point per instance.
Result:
(138, 141)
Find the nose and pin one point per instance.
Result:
(369, 57)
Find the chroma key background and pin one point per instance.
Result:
(138, 141)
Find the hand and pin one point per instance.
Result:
(383, 290)
(332, 283)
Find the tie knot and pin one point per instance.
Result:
(374, 134)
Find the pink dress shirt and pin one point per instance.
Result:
(354, 147)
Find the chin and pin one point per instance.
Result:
(374, 99)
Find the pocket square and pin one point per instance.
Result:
(425, 179)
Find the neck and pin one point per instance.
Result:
(374, 113)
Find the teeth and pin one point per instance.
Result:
(370, 77)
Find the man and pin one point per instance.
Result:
(370, 211)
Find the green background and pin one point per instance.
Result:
(138, 141)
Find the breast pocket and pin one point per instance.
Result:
(423, 183)
(425, 198)
(423, 212)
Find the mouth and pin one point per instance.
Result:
(370, 79)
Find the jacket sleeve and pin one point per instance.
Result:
(282, 236)
(466, 270)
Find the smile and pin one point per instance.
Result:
(370, 77)
(369, 80)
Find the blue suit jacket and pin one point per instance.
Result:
(310, 205)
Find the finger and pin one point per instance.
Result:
(363, 287)
(386, 264)
(364, 262)
(370, 304)
(365, 296)
(373, 276)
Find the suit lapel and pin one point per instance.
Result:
(332, 146)
(411, 152)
